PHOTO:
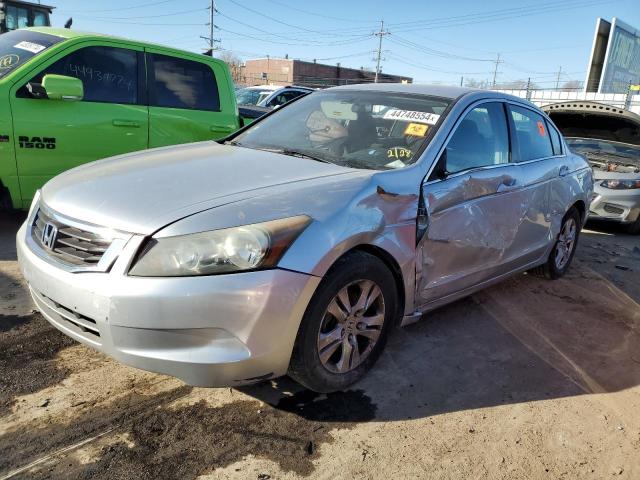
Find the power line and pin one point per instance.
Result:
(350, 20)
(150, 4)
(501, 14)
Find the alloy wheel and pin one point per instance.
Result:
(351, 326)
(566, 243)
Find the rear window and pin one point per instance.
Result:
(531, 133)
(180, 83)
(20, 46)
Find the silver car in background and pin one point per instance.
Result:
(297, 244)
(609, 138)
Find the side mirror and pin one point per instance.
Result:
(61, 87)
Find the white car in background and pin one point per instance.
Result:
(609, 138)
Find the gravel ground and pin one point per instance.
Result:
(528, 379)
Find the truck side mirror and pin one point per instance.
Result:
(61, 87)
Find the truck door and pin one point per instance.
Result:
(189, 100)
(52, 136)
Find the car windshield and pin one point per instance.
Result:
(371, 130)
(593, 146)
(19, 46)
(250, 96)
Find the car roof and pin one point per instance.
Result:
(443, 91)
(69, 34)
(271, 88)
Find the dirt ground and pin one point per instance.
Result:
(529, 379)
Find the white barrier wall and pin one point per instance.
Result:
(545, 97)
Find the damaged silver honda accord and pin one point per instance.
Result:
(298, 243)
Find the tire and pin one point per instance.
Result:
(5, 200)
(331, 332)
(554, 269)
(634, 228)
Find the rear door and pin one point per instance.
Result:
(52, 136)
(189, 100)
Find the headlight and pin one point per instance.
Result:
(620, 184)
(248, 247)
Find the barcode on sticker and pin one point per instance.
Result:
(30, 47)
(411, 116)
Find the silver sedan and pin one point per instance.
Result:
(296, 245)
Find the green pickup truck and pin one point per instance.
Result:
(67, 98)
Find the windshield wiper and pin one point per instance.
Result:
(296, 153)
(293, 153)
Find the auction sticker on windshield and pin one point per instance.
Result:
(411, 116)
(30, 47)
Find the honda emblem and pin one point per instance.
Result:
(49, 233)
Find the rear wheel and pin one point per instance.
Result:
(345, 327)
(564, 249)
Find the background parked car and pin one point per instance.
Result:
(71, 98)
(609, 137)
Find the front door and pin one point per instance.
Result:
(475, 209)
(52, 136)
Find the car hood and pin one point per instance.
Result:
(142, 192)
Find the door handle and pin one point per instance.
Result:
(506, 183)
(126, 123)
(564, 171)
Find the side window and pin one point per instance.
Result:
(183, 83)
(39, 19)
(108, 74)
(531, 134)
(481, 139)
(556, 144)
(284, 97)
(16, 18)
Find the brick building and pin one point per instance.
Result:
(285, 71)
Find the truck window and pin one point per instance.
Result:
(17, 18)
(179, 83)
(109, 74)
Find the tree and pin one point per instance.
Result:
(572, 85)
(235, 65)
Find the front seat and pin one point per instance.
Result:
(362, 132)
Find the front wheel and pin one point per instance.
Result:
(346, 324)
(564, 249)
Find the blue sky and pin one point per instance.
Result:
(431, 41)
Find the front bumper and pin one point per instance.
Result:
(617, 205)
(209, 331)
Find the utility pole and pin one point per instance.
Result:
(210, 40)
(558, 77)
(495, 71)
(380, 34)
(461, 80)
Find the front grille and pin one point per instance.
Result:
(69, 244)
